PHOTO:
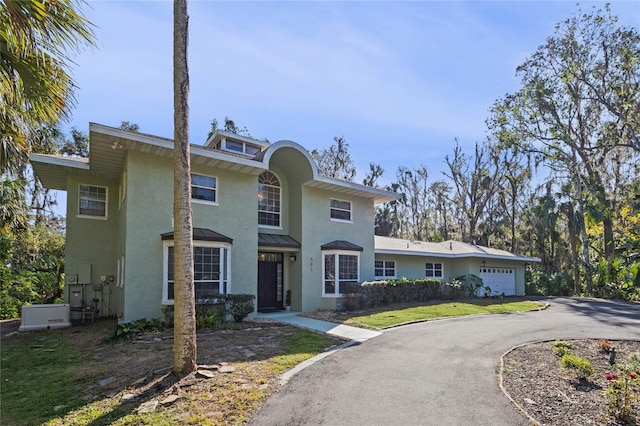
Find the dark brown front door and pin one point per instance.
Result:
(269, 281)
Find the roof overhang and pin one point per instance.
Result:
(442, 254)
(108, 147)
(52, 170)
(376, 195)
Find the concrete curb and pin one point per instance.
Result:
(287, 375)
(542, 308)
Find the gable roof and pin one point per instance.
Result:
(108, 147)
(446, 249)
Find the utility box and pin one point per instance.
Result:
(84, 273)
(42, 317)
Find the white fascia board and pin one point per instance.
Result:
(168, 144)
(456, 255)
(58, 160)
(381, 193)
(219, 134)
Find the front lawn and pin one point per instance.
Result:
(388, 316)
(71, 376)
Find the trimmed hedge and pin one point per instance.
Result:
(379, 293)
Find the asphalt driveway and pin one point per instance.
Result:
(438, 372)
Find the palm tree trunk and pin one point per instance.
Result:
(184, 332)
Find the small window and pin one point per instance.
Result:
(234, 146)
(385, 269)
(92, 201)
(433, 270)
(204, 188)
(340, 210)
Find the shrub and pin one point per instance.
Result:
(622, 390)
(562, 347)
(604, 346)
(209, 315)
(581, 367)
(377, 293)
(240, 305)
(129, 330)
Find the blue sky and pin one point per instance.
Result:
(398, 80)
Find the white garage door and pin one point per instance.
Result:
(501, 280)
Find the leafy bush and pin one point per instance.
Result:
(615, 280)
(581, 367)
(540, 283)
(471, 283)
(129, 330)
(622, 390)
(562, 347)
(604, 346)
(209, 315)
(240, 305)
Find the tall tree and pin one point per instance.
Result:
(375, 173)
(414, 202)
(476, 180)
(184, 332)
(580, 99)
(129, 126)
(229, 126)
(37, 39)
(335, 162)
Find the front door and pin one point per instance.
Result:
(269, 281)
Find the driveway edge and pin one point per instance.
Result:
(287, 375)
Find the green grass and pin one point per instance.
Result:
(442, 310)
(300, 347)
(38, 379)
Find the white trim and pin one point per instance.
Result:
(106, 203)
(336, 254)
(384, 269)
(434, 269)
(59, 160)
(226, 267)
(338, 209)
(215, 202)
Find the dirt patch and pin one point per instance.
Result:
(236, 373)
(533, 377)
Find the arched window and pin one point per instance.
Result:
(268, 200)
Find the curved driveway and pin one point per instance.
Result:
(438, 372)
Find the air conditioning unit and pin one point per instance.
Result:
(42, 317)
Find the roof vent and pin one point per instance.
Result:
(450, 245)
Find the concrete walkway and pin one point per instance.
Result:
(339, 330)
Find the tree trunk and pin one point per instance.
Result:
(585, 239)
(184, 332)
(573, 243)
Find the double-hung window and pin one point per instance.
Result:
(92, 201)
(433, 270)
(340, 210)
(210, 271)
(204, 189)
(385, 269)
(269, 200)
(339, 270)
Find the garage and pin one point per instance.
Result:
(499, 279)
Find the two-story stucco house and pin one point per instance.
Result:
(264, 222)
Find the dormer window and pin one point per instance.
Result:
(239, 147)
